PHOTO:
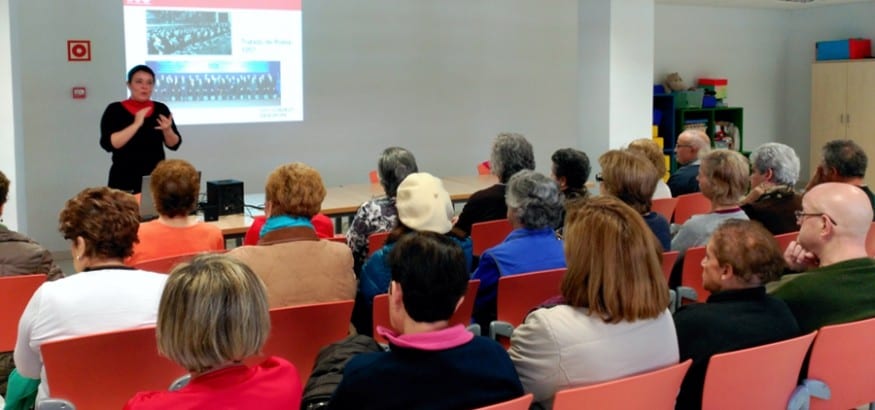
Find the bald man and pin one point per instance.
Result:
(839, 285)
(690, 146)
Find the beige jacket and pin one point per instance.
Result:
(300, 269)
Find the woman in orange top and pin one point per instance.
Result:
(175, 186)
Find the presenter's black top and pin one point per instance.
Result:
(141, 153)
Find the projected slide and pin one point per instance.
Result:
(220, 61)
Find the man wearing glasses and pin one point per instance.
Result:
(690, 146)
(839, 283)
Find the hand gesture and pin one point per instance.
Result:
(799, 258)
(164, 122)
(140, 116)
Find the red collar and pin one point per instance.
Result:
(133, 106)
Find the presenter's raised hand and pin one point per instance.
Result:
(164, 122)
(140, 116)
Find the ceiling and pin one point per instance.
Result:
(765, 4)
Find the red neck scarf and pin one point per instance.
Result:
(133, 106)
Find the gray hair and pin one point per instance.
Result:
(780, 158)
(533, 200)
(394, 165)
(510, 154)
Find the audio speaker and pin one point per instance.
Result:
(226, 195)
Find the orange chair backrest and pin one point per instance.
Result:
(842, 357)
(297, 333)
(668, 260)
(374, 177)
(664, 207)
(462, 316)
(692, 272)
(337, 238)
(483, 168)
(770, 372)
(376, 241)
(689, 205)
(15, 292)
(518, 294)
(165, 264)
(784, 239)
(519, 403)
(485, 235)
(104, 370)
(870, 241)
(656, 389)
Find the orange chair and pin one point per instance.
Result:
(297, 333)
(15, 292)
(520, 403)
(665, 207)
(689, 205)
(337, 238)
(692, 287)
(165, 264)
(518, 294)
(668, 260)
(656, 389)
(770, 373)
(374, 177)
(842, 358)
(376, 241)
(784, 239)
(870, 241)
(485, 235)
(104, 370)
(462, 316)
(483, 168)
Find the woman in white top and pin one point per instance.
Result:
(101, 225)
(612, 320)
(651, 151)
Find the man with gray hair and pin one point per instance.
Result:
(772, 199)
(839, 286)
(691, 145)
(843, 161)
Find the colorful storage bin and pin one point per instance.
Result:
(718, 85)
(853, 48)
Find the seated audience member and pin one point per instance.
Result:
(321, 224)
(612, 320)
(741, 257)
(101, 225)
(423, 205)
(723, 178)
(213, 315)
(379, 214)
(429, 365)
(294, 264)
(691, 145)
(20, 255)
(839, 285)
(510, 154)
(175, 186)
(650, 150)
(772, 200)
(631, 178)
(570, 170)
(533, 208)
(843, 161)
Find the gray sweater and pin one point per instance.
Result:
(696, 231)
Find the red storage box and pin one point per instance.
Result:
(853, 48)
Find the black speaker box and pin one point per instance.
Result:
(226, 195)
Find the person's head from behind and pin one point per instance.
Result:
(141, 81)
(629, 177)
(570, 169)
(723, 177)
(650, 150)
(101, 224)
(4, 190)
(834, 219)
(429, 279)
(394, 165)
(511, 153)
(533, 201)
(175, 187)
(423, 205)
(213, 312)
(741, 254)
(618, 277)
(843, 160)
(294, 189)
(691, 145)
(774, 163)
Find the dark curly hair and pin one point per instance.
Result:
(107, 219)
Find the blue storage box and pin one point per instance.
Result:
(657, 117)
(709, 101)
(853, 48)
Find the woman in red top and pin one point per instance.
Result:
(212, 316)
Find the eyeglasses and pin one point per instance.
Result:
(598, 177)
(800, 216)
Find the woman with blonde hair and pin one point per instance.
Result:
(612, 320)
(650, 150)
(213, 315)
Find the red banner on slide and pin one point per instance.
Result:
(219, 4)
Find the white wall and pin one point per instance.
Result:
(8, 163)
(746, 46)
(440, 78)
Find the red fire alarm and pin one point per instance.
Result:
(78, 50)
(79, 93)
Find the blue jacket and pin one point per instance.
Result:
(523, 251)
